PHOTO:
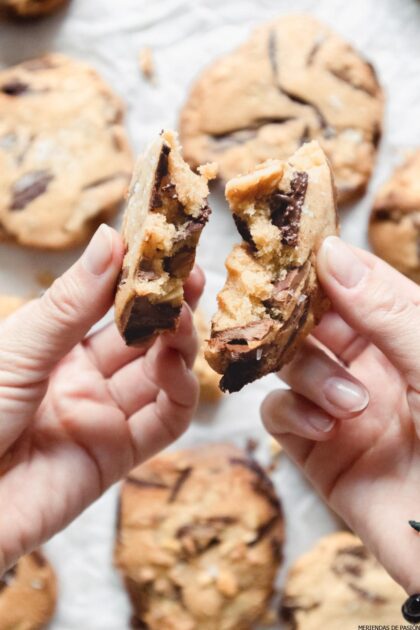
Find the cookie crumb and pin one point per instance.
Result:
(209, 171)
(146, 63)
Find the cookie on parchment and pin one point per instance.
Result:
(394, 227)
(272, 298)
(199, 540)
(65, 162)
(165, 214)
(339, 585)
(294, 80)
(30, 8)
(28, 594)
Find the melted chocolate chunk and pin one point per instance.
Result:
(147, 275)
(286, 209)
(180, 264)
(377, 135)
(182, 478)
(243, 335)
(244, 230)
(162, 170)
(14, 87)
(264, 530)
(289, 608)
(284, 290)
(7, 578)
(122, 278)
(143, 319)
(146, 483)
(29, 187)
(382, 215)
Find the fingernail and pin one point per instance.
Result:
(341, 262)
(345, 395)
(98, 254)
(319, 422)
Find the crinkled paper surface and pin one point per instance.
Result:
(185, 35)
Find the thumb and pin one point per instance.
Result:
(41, 333)
(369, 299)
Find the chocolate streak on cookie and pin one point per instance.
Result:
(244, 231)
(262, 484)
(314, 50)
(146, 483)
(142, 319)
(286, 209)
(29, 187)
(105, 180)
(272, 52)
(15, 87)
(342, 75)
(373, 598)
(359, 551)
(289, 608)
(264, 530)
(243, 134)
(183, 476)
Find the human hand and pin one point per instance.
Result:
(355, 431)
(77, 414)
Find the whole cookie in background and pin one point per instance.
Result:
(339, 585)
(30, 8)
(199, 540)
(28, 594)
(292, 81)
(394, 227)
(65, 162)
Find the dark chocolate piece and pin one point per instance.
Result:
(146, 483)
(264, 530)
(283, 289)
(382, 215)
(182, 478)
(162, 170)
(29, 187)
(143, 319)
(244, 230)
(286, 209)
(262, 484)
(14, 87)
(411, 609)
(180, 263)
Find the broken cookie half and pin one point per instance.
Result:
(165, 214)
(272, 298)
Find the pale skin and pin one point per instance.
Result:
(78, 413)
(357, 438)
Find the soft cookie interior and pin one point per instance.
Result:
(282, 210)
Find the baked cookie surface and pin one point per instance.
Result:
(394, 227)
(165, 214)
(28, 594)
(30, 8)
(191, 556)
(272, 298)
(293, 81)
(207, 377)
(339, 585)
(65, 162)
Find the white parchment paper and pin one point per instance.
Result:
(185, 35)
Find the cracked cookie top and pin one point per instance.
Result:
(65, 162)
(339, 585)
(192, 557)
(293, 81)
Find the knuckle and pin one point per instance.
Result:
(62, 299)
(384, 305)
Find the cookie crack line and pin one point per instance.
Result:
(295, 98)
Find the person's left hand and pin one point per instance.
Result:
(76, 415)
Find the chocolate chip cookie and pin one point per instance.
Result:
(165, 214)
(30, 8)
(207, 377)
(9, 304)
(339, 585)
(191, 556)
(272, 298)
(64, 158)
(293, 81)
(394, 227)
(28, 594)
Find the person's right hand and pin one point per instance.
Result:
(355, 431)
(77, 414)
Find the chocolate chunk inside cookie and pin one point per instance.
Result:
(166, 212)
(272, 299)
